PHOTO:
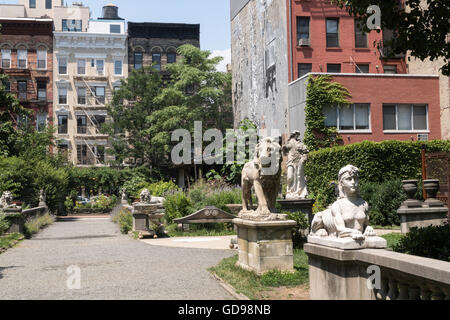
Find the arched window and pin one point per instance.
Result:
(171, 55)
(41, 57)
(138, 58)
(156, 58)
(6, 57)
(22, 57)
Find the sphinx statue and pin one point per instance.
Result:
(6, 200)
(346, 221)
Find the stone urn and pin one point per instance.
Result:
(410, 187)
(431, 187)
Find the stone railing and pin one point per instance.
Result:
(343, 275)
(17, 217)
(34, 213)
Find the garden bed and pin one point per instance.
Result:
(90, 211)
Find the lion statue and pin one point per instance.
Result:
(263, 173)
(145, 196)
(6, 200)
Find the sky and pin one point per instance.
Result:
(212, 15)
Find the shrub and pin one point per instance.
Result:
(176, 206)
(377, 161)
(431, 242)
(33, 226)
(125, 220)
(298, 236)
(4, 223)
(157, 189)
(384, 199)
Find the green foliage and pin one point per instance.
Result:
(384, 198)
(298, 234)
(25, 177)
(195, 91)
(177, 205)
(322, 91)
(202, 230)
(214, 193)
(422, 29)
(32, 227)
(430, 242)
(392, 239)
(4, 223)
(157, 189)
(125, 220)
(232, 170)
(10, 241)
(377, 161)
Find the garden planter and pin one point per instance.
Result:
(410, 187)
(431, 187)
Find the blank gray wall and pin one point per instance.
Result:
(236, 6)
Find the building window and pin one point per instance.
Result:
(390, 69)
(100, 66)
(6, 85)
(114, 28)
(42, 90)
(62, 124)
(72, 25)
(32, 4)
(62, 65)
(62, 95)
(405, 117)
(48, 4)
(22, 89)
(99, 152)
(82, 154)
(171, 57)
(334, 67)
(362, 68)
(22, 58)
(81, 95)
(63, 149)
(355, 117)
(81, 124)
(81, 66)
(360, 36)
(100, 95)
(42, 59)
(22, 121)
(302, 28)
(138, 60)
(156, 61)
(332, 32)
(98, 121)
(41, 121)
(118, 67)
(6, 58)
(304, 68)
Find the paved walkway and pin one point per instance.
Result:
(112, 266)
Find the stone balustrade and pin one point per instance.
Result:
(343, 275)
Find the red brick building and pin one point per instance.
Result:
(26, 52)
(325, 38)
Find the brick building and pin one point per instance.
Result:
(157, 43)
(276, 44)
(26, 46)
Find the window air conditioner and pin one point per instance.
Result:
(304, 42)
(422, 137)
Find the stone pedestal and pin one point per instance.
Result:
(265, 245)
(15, 218)
(303, 205)
(349, 243)
(421, 217)
(143, 214)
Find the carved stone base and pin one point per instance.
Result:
(265, 245)
(421, 217)
(349, 243)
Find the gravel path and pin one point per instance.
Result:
(112, 265)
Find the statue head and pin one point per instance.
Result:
(295, 135)
(268, 152)
(6, 199)
(348, 181)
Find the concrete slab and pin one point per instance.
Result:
(216, 243)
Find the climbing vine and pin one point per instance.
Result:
(321, 91)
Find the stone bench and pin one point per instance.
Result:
(205, 215)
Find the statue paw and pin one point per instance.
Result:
(358, 236)
(321, 233)
(369, 232)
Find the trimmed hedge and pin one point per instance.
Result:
(377, 161)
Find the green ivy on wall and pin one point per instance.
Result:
(321, 91)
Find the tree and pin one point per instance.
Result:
(18, 139)
(422, 27)
(195, 91)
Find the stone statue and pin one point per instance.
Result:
(6, 200)
(42, 198)
(297, 155)
(145, 196)
(124, 197)
(348, 216)
(263, 173)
